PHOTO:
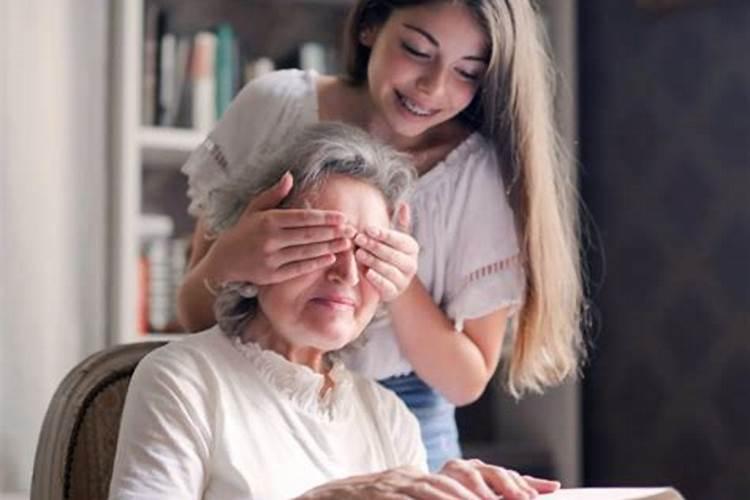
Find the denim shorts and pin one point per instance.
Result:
(436, 417)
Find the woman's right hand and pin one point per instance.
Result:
(458, 479)
(269, 245)
(399, 483)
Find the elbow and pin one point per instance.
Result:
(468, 392)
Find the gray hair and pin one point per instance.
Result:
(313, 154)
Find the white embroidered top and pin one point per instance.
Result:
(208, 417)
(469, 258)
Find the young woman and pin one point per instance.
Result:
(463, 87)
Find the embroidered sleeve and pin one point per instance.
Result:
(488, 289)
(258, 114)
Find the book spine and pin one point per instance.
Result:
(312, 56)
(204, 82)
(159, 284)
(167, 75)
(225, 63)
(150, 51)
(182, 83)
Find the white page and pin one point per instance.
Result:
(613, 494)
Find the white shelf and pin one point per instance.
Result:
(167, 147)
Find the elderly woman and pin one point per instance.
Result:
(259, 406)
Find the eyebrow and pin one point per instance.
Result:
(434, 42)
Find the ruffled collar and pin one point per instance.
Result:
(300, 384)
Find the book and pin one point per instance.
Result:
(155, 231)
(204, 81)
(225, 67)
(150, 53)
(312, 55)
(167, 75)
(182, 96)
(613, 494)
(257, 67)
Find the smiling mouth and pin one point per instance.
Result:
(413, 107)
(333, 303)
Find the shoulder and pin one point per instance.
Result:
(184, 359)
(471, 170)
(282, 83)
(264, 99)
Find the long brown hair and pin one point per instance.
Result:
(513, 109)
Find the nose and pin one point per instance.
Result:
(344, 270)
(432, 80)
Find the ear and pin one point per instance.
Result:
(367, 36)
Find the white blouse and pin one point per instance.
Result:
(469, 259)
(208, 417)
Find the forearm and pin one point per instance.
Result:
(447, 360)
(195, 301)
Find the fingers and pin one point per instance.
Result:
(439, 487)
(542, 485)
(488, 481)
(503, 482)
(271, 197)
(310, 235)
(386, 289)
(309, 251)
(386, 279)
(522, 485)
(507, 482)
(392, 259)
(302, 217)
(395, 239)
(399, 249)
(469, 477)
(298, 268)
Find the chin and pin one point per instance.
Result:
(333, 337)
(409, 129)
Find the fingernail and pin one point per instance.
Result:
(360, 239)
(373, 231)
(349, 231)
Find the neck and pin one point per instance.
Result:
(262, 333)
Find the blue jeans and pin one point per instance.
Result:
(436, 417)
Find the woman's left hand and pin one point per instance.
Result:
(489, 481)
(390, 254)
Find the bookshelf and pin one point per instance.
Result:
(167, 147)
(140, 153)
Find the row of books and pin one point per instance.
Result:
(162, 265)
(190, 79)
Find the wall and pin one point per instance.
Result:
(52, 195)
(665, 100)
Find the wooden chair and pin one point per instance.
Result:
(77, 443)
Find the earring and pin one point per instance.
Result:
(365, 37)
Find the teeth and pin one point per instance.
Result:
(413, 107)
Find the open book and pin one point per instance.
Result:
(614, 494)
